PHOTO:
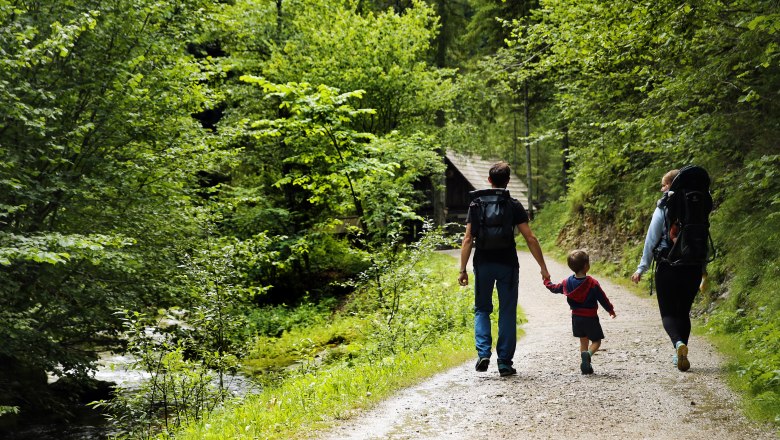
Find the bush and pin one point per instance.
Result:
(275, 320)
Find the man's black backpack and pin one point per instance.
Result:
(688, 204)
(491, 219)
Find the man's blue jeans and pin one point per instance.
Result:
(505, 279)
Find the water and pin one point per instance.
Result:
(117, 368)
(89, 424)
(59, 432)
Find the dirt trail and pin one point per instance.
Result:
(635, 392)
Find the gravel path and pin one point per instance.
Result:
(635, 392)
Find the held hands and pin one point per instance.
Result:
(463, 278)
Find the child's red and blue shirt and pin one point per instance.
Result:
(583, 295)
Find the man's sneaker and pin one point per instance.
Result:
(482, 364)
(506, 370)
(683, 364)
(585, 366)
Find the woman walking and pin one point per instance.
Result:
(677, 285)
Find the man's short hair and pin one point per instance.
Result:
(577, 260)
(499, 174)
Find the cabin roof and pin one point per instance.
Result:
(475, 170)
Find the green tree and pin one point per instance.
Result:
(98, 153)
(340, 171)
(384, 54)
(501, 109)
(310, 157)
(660, 84)
(491, 24)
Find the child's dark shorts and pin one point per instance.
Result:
(586, 326)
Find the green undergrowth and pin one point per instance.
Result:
(323, 342)
(407, 322)
(751, 344)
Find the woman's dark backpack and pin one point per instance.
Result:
(491, 219)
(688, 204)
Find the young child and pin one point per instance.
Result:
(582, 293)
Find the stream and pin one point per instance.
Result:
(90, 424)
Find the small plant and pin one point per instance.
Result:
(8, 410)
(414, 307)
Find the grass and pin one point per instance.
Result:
(317, 399)
(546, 226)
(326, 340)
(764, 410)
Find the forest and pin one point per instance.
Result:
(249, 169)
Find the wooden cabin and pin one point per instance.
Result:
(467, 173)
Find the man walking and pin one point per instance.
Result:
(493, 220)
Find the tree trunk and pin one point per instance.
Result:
(566, 161)
(279, 20)
(529, 170)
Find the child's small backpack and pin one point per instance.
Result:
(688, 204)
(491, 219)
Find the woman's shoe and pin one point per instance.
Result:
(683, 364)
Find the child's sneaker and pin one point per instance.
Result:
(683, 364)
(585, 366)
(482, 364)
